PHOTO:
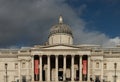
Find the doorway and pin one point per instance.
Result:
(23, 78)
(60, 75)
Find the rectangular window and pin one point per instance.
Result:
(16, 65)
(23, 65)
(105, 66)
(97, 64)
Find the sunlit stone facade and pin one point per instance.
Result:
(60, 60)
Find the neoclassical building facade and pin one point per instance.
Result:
(60, 60)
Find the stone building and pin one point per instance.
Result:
(60, 60)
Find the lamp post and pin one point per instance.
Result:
(6, 70)
(115, 66)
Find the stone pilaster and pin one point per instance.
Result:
(101, 70)
(27, 63)
(19, 67)
(32, 68)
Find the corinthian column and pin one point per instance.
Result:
(88, 78)
(56, 67)
(64, 68)
(48, 71)
(80, 68)
(40, 68)
(72, 67)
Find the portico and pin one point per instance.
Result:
(62, 67)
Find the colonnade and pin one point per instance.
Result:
(72, 73)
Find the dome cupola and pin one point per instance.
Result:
(60, 33)
(60, 28)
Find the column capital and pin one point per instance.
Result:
(72, 55)
(48, 55)
(56, 55)
(80, 55)
(89, 55)
(40, 55)
(64, 55)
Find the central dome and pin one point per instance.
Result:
(60, 28)
(60, 34)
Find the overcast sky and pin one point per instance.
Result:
(27, 22)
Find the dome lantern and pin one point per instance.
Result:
(60, 19)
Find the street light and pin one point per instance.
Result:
(115, 66)
(6, 70)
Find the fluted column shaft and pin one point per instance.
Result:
(72, 67)
(48, 66)
(56, 67)
(80, 68)
(40, 68)
(88, 76)
(64, 68)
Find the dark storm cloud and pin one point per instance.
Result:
(24, 22)
(27, 22)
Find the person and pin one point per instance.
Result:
(97, 80)
(91, 80)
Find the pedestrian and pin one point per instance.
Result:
(97, 80)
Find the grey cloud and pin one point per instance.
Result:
(27, 22)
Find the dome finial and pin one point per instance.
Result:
(60, 19)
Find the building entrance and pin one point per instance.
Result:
(60, 75)
(23, 78)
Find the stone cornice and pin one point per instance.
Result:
(8, 56)
(111, 56)
(24, 60)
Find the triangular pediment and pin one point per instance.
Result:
(61, 47)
